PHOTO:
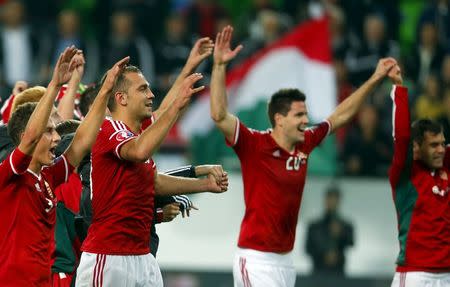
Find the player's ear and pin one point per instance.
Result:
(121, 98)
(416, 147)
(278, 118)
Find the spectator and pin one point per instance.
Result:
(444, 120)
(69, 33)
(445, 72)
(21, 48)
(361, 60)
(437, 12)
(329, 237)
(427, 56)
(429, 103)
(344, 89)
(124, 41)
(366, 152)
(202, 15)
(171, 52)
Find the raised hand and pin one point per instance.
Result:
(395, 74)
(222, 50)
(383, 67)
(202, 49)
(113, 73)
(218, 186)
(78, 69)
(187, 90)
(65, 66)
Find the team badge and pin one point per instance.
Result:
(123, 135)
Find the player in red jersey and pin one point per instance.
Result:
(421, 193)
(273, 167)
(124, 181)
(29, 176)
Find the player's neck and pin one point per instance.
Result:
(282, 141)
(35, 166)
(131, 121)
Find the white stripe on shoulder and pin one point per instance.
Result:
(113, 124)
(394, 107)
(116, 151)
(236, 131)
(329, 127)
(11, 163)
(121, 125)
(66, 167)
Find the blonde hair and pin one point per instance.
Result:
(30, 95)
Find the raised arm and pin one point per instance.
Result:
(66, 105)
(202, 49)
(403, 152)
(142, 148)
(223, 54)
(87, 131)
(345, 111)
(173, 185)
(37, 123)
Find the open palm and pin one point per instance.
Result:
(65, 65)
(202, 49)
(222, 50)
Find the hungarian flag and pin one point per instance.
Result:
(301, 59)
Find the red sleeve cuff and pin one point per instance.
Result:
(159, 215)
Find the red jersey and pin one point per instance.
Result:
(27, 211)
(122, 196)
(421, 197)
(273, 186)
(6, 109)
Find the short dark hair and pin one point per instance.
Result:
(87, 98)
(121, 85)
(419, 127)
(18, 121)
(281, 101)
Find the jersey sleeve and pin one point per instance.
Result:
(401, 133)
(243, 140)
(16, 163)
(114, 135)
(315, 135)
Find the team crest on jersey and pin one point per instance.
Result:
(123, 135)
(442, 192)
(38, 187)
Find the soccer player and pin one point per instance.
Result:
(420, 189)
(124, 181)
(273, 167)
(29, 176)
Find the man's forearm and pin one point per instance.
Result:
(219, 101)
(173, 185)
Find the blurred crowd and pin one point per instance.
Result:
(158, 36)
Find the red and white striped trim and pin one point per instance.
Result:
(11, 163)
(236, 132)
(244, 272)
(394, 107)
(66, 167)
(97, 280)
